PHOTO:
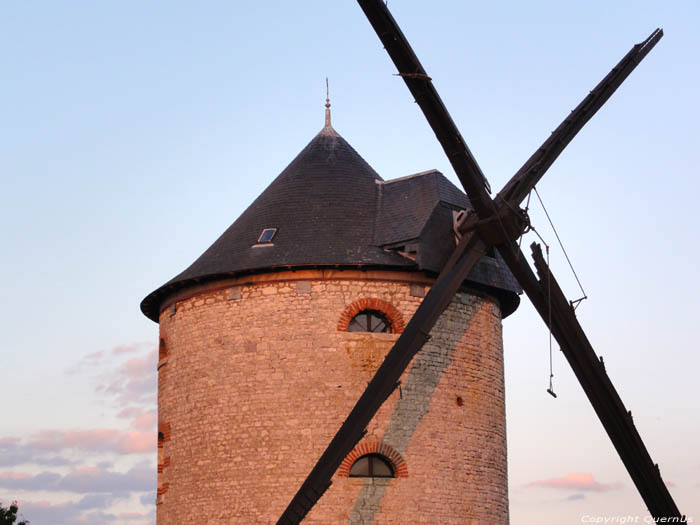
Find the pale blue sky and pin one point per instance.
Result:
(134, 133)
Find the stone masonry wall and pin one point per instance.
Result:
(256, 376)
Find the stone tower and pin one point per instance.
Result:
(269, 338)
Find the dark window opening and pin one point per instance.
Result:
(372, 466)
(162, 349)
(369, 321)
(161, 465)
(267, 235)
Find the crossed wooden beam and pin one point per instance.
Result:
(495, 222)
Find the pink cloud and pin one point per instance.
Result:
(14, 475)
(86, 470)
(45, 440)
(93, 439)
(128, 349)
(87, 480)
(101, 358)
(91, 509)
(135, 442)
(9, 441)
(15, 452)
(40, 503)
(132, 382)
(129, 516)
(97, 439)
(136, 368)
(130, 412)
(50, 447)
(146, 421)
(140, 419)
(581, 481)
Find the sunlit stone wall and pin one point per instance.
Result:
(257, 374)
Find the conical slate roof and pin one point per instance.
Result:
(330, 208)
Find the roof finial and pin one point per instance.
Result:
(328, 107)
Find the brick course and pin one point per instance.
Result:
(256, 382)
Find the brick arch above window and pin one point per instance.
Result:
(165, 430)
(162, 348)
(371, 303)
(375, 447)
(164, 433)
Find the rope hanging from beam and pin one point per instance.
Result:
(575, 303)
(550, 390)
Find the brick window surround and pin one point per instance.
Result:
(162, 348)
(164, 433)
(375, 447)
(371, 303)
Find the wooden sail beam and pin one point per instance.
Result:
(479, 233)
(544, 294)
(531, 172)
(425, 94)
(622, 432)
(385, 380)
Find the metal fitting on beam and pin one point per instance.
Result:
(503, 226)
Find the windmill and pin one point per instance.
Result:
(495, 222)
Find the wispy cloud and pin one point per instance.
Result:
(50, 447)
(96, 440)
(107, 357)
(129, 349)
(13, 451)
(131, 386)
(579, 481)
(74, 461)
(14, 475)
(89, 510)
(84, 480)
(148, 498)
(132, 382)
(141, 419)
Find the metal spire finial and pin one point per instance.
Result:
(328, 107)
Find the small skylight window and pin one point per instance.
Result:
(267, 235)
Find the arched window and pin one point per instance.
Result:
(161, 439)
(369, 321)
(372, 466)
(159, 486)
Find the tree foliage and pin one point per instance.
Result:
(8, 515)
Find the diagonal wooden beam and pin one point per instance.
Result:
(470, 249)
(547, 297)
(517, 188)
(421, 87)
(385, 380)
